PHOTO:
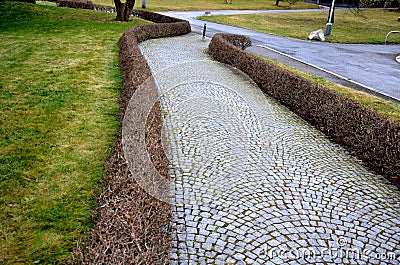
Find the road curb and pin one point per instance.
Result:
(362, 87)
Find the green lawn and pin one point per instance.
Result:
(59, 89)
(368, 26)
(162, 5)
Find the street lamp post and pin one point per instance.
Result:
(328, 28)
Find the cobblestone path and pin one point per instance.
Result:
(255, 184)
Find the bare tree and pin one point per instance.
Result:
(124, 9)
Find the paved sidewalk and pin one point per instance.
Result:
(255, 184)
(371, 66)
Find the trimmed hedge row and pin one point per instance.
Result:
(368, 134)
(240, 41)
(83, 4)
(134, 65)
(156, 18)
(134, 227)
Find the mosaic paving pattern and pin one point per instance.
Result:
(255, 184)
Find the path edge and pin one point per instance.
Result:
(366, 133)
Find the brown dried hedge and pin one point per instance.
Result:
(130, 57)
(130, 226)
(83, 4)
(371, 136)
(156, 18)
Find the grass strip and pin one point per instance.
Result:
(366, 26)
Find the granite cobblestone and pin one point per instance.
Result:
(252, 181)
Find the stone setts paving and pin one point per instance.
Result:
(255, 184)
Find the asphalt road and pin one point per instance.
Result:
(372, 68)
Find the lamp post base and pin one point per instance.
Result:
(328, 29)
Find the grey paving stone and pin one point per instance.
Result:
(242, 165)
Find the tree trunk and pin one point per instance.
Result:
(124, 9)
(277, 3)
